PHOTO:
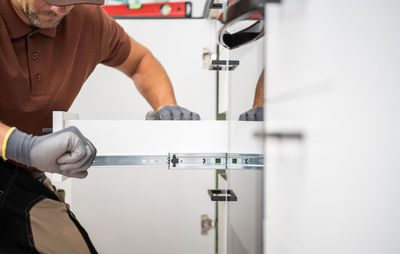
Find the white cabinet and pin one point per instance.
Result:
(332, 75)
(155, 210)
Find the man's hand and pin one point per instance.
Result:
(66, 152)
(254, 114)
(170, 112)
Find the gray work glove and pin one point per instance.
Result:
(66, 152)
(254, 114)
(172, 113)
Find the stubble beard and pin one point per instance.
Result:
(33, 17)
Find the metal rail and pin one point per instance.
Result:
(185, 161)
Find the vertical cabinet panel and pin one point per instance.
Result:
(332, 75)
(240, 222)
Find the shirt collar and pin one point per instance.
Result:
(51, 32)
(17, 28)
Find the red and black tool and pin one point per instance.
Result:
(151, 10)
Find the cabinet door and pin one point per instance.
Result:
(336, 190)
(242, 219)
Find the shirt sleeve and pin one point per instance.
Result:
(115, 42)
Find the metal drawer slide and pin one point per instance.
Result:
(185, 161)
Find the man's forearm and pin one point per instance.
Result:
(149, 76)
(153, 83)
(259, 94)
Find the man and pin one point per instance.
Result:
(48, 48)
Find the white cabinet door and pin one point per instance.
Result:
(332, 75)
(241, 219)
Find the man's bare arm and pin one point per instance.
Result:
(257, 112)
(149, 76)
(259, 94)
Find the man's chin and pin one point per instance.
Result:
(46, 24)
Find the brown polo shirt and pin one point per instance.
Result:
(43, 70)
